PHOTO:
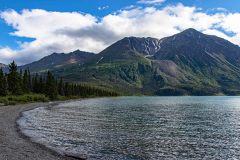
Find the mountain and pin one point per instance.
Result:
(203, 61)
(191, 43)
(128, 49)
(57, 60)
(123, 64)
(4, 67)
(187, 63)
(141, 46)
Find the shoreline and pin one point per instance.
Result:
(15, 145)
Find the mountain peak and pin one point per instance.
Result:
(80, 52)
(143, 46)
(191, 32)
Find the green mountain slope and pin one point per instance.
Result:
(209, 64)
(188, 63)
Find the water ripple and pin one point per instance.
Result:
(139, 128)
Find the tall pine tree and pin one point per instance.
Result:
(51, 88)
(41, 85)
(14, 80)
(3, 84)
(26, 86)
(35, 84)
(61, 87)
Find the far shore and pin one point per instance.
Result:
(14, 145)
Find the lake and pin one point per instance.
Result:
(138, 128)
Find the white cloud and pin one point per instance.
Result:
(151, 1)
(103, 8)
(41, 25)
(68, 31)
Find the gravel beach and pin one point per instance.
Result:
(14, 145)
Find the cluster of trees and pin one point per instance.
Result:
(17, 83)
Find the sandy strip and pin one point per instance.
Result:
(14, 145)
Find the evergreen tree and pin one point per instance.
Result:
(35, 84)
(51, 88)
(18, 82)
(21, 80)
(61, 87)
(67, 91)
(3, 84)
(29, 80)
(41, 85)
(14, 80)
(25, 81)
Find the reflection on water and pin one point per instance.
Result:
(139, 128)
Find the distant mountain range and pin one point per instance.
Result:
(58, 60)
(4, 67)
(188, 63)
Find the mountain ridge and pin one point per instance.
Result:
(57, 60)
(187, 63)
(4, 67)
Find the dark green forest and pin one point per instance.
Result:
(37, 87)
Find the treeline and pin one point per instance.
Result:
(22, 82)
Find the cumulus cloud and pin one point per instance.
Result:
(42, 25)
(68, 31)
(103, 8)
(151, 1)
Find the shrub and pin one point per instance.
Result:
(13, 100)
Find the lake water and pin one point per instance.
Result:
(139, 128)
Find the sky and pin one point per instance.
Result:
(32, 29)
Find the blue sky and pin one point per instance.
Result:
(17, 43)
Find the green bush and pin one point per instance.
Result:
(4, 101)
(21, 99)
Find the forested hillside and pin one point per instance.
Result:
(21, 86)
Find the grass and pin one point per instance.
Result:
(22, 99)
(31, 98)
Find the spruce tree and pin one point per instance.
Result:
(21, 80)
(41, 85)
(26, 86)
(61, 87)
(29, 80)
(67, 89)
(3, 84)
(51, 88)
(14, 80)
(35, 84)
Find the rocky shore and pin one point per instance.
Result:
(16, 146)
